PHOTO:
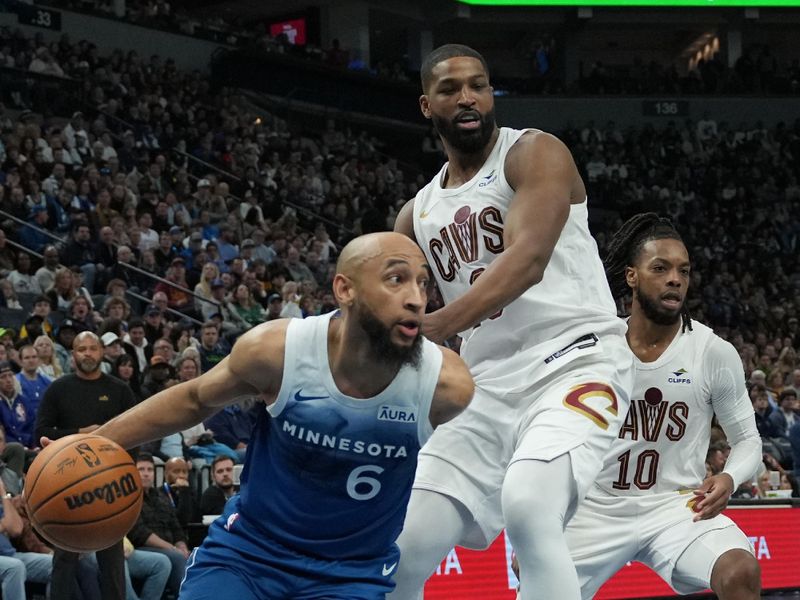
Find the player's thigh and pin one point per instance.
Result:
(578, 413)
(601, 540)
(347, 591)
(694, 567)
(215, 583)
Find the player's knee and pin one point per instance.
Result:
(736, 571)
(525, 507)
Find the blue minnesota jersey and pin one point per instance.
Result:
(329, 475)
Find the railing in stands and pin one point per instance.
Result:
(125, 265)
(312, 215)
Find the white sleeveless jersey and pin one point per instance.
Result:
(662, 444)
(461, 232)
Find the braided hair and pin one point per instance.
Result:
(624, 248)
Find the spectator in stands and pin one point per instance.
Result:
(32, 383)
(7, 255)
(784, 418)
(35, 237)
(209, 274)
(246, 307)
(216, 495)
(22, 279)
(177, 299)
(12, 454)
(65, 334)
(274, 307)
(80, 252)
(291, 301)
(17, 415)
(226, 244)
(231, 323)
(212, 349)
(297, 269)
(148, 239)
(18, 567)
(126, 371)
(46, 274)
(116, 308)
(154, 321)
(43, 63)
(49, 365)
(260, 249)
(177, 490)
(158, 528)
(112, 350)
(80, 311)
(758, 396)
(157, 377)
(8, 296)
(233, 425)
(136, 344)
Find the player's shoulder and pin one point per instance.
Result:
(716, 351)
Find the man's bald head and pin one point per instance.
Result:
(176, 469)
(366, 248)
(86, 336)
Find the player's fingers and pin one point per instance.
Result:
(44, 441)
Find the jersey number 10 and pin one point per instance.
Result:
(646, 470)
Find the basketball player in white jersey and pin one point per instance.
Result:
(652, 502)
(505, 229)
(351, 398)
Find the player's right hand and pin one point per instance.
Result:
(45, 441)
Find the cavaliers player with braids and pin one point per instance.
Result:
(504, 226)
(652, 502)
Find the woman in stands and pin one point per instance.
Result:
(49, 365)
(203, 288)
(125, 370)
(250, 310)
(64, 291)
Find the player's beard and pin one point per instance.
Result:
(381, 344)
(468, 141)
(87, 366)
(654, 312)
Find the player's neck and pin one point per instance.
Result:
(461, 167)
(356, 370)
(648, 340)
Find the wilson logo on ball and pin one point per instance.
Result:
(109, 493)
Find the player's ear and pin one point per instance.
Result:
(425, 106)
(344, 290)
(631, 277)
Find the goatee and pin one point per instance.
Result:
(468, 141)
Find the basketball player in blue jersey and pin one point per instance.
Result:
(350, 399)
(504, 226)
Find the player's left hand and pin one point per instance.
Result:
(712, 497)
(435, 327)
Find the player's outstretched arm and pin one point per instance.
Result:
(254, 367)
(540, 169)
(453, 390)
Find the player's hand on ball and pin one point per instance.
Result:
(712, 496)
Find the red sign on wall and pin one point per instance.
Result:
(774, 533)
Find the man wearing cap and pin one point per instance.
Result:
(247, 257)
(32, 237)
(41, 311)
(32, 383)
(17, 416)
(112, 350)
(177, 299)
(274, 307)
(136, 344)
(158, 376)
(80, 403)
(153, 324)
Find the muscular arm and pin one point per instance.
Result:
(254, 367)
(404, 223)
(453, 390)
(541, 170)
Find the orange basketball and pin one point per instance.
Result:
(83, 493)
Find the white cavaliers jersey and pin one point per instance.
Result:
(663, 441)
(461, 232)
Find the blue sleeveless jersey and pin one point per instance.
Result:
(329, 475)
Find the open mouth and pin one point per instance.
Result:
(468, 120)
(671, 300)
(409, 328)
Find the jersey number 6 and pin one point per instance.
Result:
(369, 485)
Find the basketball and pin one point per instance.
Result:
(83, 493)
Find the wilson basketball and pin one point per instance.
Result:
(83, 493)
